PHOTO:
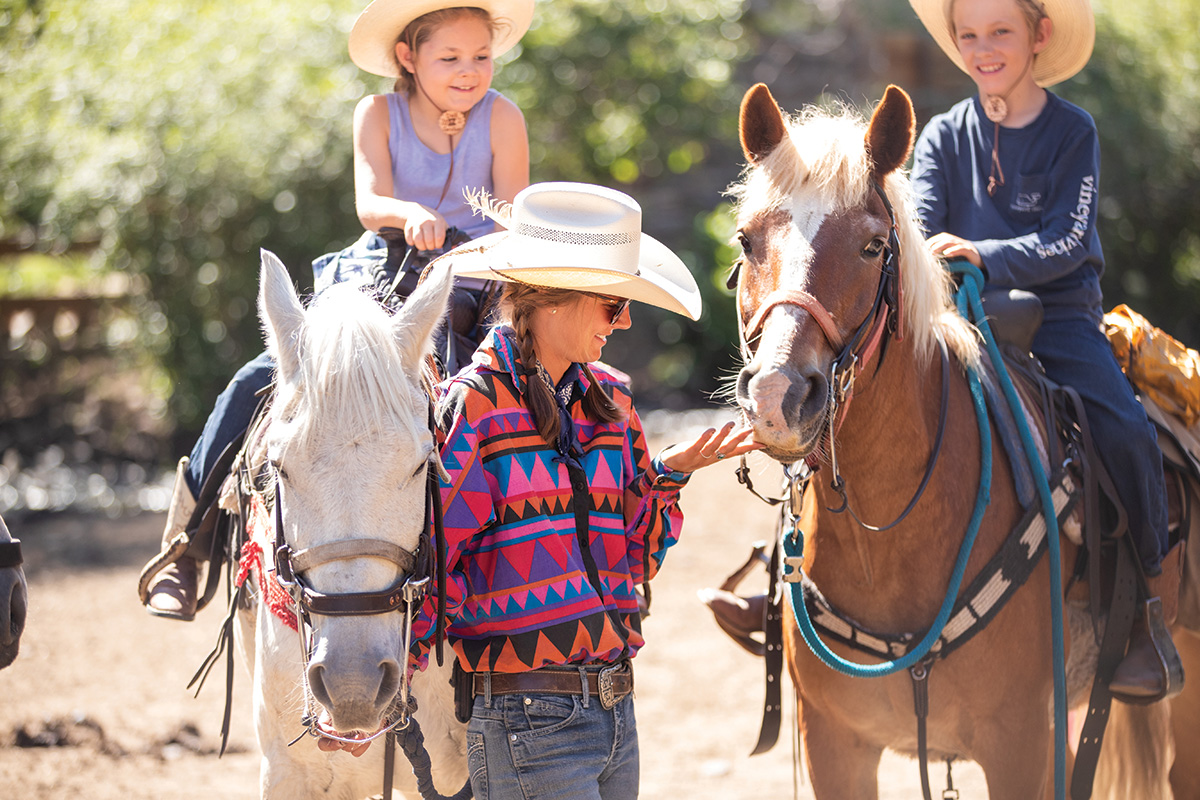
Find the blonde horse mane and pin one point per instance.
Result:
(824, 154)
(351, 371)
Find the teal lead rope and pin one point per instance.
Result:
(970, 294)
(971, 307)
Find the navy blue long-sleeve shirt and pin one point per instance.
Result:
(1038, 232)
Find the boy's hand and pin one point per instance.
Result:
(949, 246)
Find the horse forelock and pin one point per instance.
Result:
(823, 161)
(351, 377)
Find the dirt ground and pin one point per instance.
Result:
(95, 706)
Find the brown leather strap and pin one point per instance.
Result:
(1121, 610)
(800, 299)
(772, 718)
(555, 681)
(309, 557)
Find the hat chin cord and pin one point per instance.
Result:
(450, 123)
(995, 107)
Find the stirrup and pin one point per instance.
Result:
(1169, 662)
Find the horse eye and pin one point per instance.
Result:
(744, 241)
(417, 471)
(876, 247)
(279, 470)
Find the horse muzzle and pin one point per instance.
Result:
(355, 688)
(787, 408)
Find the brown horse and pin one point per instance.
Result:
(843, 368)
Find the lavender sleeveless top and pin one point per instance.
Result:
(419, 173)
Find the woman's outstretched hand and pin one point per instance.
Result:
(709, 447)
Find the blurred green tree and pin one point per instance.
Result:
(1142, 86)
(170, 142)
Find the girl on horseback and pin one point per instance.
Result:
(1008, 179)
(441, 133)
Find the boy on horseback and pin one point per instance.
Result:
(1008, 180)
(442, 132)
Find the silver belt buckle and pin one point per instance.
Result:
(604, 682)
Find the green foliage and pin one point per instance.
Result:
(614, 91)
(179, 139)
(1142, 86)
(170, 142)
(173, 141)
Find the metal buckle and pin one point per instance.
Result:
(604, 685)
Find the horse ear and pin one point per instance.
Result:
(760, 123)
(282, 315)
(891, 133)
(422, 312)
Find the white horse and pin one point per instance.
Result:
(348, 440)
(13, 597)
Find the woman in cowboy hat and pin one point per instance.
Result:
(555, 510)
(1009, 180)
(442, 132)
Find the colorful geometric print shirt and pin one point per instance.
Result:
(519, 595)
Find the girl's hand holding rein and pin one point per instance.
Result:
(708, 448)
(424, 228)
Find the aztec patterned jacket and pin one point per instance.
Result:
(519, 595)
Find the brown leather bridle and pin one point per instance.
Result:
(882, 321)
(405, 595)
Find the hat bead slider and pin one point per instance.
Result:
(995, 108)
(452, 122)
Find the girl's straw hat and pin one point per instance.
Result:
(373, 37)
(581, 237)
(1068, 51)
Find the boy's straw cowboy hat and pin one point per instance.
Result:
(1069, 48)
(375, 32)
(582, 237)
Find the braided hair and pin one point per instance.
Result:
(517, 305)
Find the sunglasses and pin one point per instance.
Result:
(616, 306)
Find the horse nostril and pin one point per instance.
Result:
(316, 684)
(389, 685)
(743, 383)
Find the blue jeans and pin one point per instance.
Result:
(1076, 352)
(230, 416)
(552, 747)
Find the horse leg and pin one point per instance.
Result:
(841, 766)
(1185, 720)
(1017, 758)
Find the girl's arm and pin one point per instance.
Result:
(373, 185)
(510, 150)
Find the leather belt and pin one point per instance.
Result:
(610, 683)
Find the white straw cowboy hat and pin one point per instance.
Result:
(375, 32)
(581, 237)
(1070, 46)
